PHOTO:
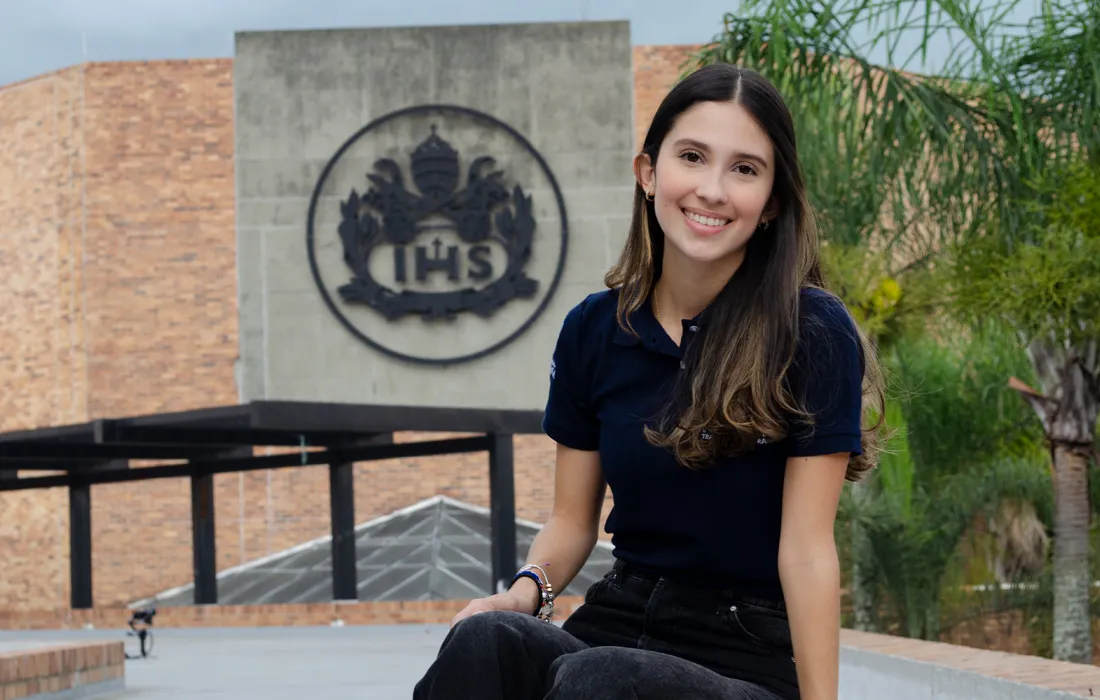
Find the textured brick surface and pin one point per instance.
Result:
(159, 275)
(43, 378)
(51, 669)
(160, 281)
(656, 70)
(117, 239)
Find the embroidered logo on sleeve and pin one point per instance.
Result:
(553, 368)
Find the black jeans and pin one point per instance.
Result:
(637, 636)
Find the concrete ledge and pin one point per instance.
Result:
(61, 671)
(875, 666)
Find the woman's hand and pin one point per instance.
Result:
(522, 597)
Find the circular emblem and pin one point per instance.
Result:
(437, 234)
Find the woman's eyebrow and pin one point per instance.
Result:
(740, 155)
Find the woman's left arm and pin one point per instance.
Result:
(827, 379)
(809, 570)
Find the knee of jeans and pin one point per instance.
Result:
(604, 669)
(491, 624)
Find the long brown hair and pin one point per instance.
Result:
(735, 389)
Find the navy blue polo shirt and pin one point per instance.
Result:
(720, 522)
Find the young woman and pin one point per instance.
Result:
(719, 391)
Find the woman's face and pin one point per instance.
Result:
(712, 183)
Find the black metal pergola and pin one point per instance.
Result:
(199, 444)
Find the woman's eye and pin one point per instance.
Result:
(691, 156)
(745, 169)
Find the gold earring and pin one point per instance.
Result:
(649, 196)
(764, 225)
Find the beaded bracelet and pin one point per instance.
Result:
(545, 610)
(534, 577)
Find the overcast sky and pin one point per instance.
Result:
(37, 36)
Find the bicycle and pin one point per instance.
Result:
(141, 626)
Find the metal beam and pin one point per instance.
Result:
(301, 415)
(224, 466)
(202, 539)
(216, 416)
(223, 437)
(61, 452)
(33, 465)
(80, 545)
(61, 433)
(502, 511)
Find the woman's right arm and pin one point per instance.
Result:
(571, 420)
(566, 540)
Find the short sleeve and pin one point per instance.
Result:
(827, 378)
(570, 418)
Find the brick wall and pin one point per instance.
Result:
(63, 670)
(43, 377)
(117, 237)
(160, 281)
(656, 70)
(160, 271)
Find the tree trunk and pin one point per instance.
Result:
(863, 586)
(1067, 405)
(1072, 636)
(932, 617)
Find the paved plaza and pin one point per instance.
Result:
(272, 663)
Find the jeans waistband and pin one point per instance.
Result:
(713, 585)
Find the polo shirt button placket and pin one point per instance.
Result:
(691, 329)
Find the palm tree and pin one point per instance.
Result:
(1039, 271)
(961, 450)
(943, 169)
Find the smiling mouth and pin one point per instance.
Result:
(706, 220)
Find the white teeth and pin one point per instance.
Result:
(706, 220)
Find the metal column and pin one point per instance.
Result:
(341, 487)
(202, 539)
(80, 545)
(502, 511)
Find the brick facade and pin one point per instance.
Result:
(656, 70)
(118, 244)
(43, 369)
(74, 669)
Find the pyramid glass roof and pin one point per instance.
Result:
(437, 549)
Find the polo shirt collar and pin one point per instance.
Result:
(651, 335)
